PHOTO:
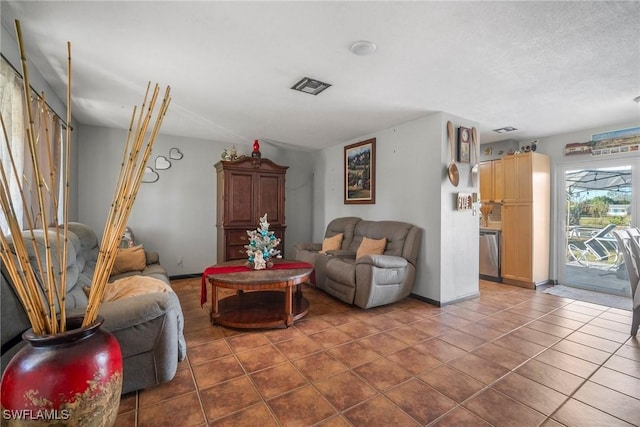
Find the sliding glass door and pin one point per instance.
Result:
(593, 200)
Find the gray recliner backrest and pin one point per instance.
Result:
(344, 225)
(403, 239)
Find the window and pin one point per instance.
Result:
(17, 165)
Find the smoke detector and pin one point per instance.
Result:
(363, 48)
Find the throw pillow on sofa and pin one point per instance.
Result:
(332, 243)
(371, 247)
(129, 259)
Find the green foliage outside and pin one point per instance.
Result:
(589, 215)
(592, 212)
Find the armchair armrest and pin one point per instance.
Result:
(307, 246)
(383, 261)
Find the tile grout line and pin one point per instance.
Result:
(584, 382)
(460, 329)
(488, 386)
(611, 354)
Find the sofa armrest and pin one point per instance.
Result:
(149, 329)
(383, 261)
(134, 312)
(307, 246)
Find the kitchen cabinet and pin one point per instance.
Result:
(526, 219)
(518, 176)
(491, 181)
(247, 189)
(517, 233)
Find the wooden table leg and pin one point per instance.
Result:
(214, 302)
(288, 306)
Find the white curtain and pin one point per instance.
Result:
(48, 137)
(47, 147)
(12, 109)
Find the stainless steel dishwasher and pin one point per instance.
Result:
(490, 255)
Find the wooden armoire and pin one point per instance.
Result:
(247, 189)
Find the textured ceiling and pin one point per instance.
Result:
(543, 67)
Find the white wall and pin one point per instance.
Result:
(412, 186)
(176, 215)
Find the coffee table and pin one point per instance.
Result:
(259, 301)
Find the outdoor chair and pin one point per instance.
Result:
(630, 250)
(598, 246)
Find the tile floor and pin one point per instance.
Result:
(511, 357)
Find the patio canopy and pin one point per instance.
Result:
(583, 180)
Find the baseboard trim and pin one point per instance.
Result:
(425, 299)
(185, 276)
(439, 303)
(491, 278)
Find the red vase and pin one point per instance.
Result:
(73, 378)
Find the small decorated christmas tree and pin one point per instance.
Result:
(262, 246)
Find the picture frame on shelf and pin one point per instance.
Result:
(464, 145)
(360, 172)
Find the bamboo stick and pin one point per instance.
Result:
(46, 275)
(130, 178)
(53, 200)
(33, 311)
(40, 295)
(30, 286)
(65, 204)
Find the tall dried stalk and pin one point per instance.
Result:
(129, 180)
(40, 295)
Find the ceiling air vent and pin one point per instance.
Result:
(505, 129)
(310, 86)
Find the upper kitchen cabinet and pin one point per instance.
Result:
(521, 174)
(492, 181)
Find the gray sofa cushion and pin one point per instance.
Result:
(36, 248)
(342, 271)
(88, 240)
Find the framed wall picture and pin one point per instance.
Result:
(360, 172)
(464, 145)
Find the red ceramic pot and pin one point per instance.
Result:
(73, 378)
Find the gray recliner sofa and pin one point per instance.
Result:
(148, 327)
(370, 280)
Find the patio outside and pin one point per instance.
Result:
(598, 201)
